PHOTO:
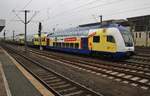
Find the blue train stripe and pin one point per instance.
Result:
(116, 55)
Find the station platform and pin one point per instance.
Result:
(16, 81)
(2, 85)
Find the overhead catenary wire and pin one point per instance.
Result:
(131, 10)
(27, 4)
(70, 15)
(22, 8)
(136, 9)
(79, 8)
(32, 16)
(70, 10)
(18, 16)
(49, 8)
(108, 3)
(74, 9)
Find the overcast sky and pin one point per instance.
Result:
(67, 13)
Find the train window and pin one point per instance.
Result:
(67, 45)
(36, 39)
(71, 45)
(136, 35)
(96, 39)
(76, 45)
(43, 39)
(32, 40)
(110, 39)
(139, 35)
(59, 44)
(63, 45)
(54, 43)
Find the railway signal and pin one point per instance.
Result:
(101, 19)
(13, 35)
(4, 34)
(40, 28)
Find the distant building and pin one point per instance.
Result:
(141, 29)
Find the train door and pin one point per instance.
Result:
(84, 43)
(97, 41)
(47, 41)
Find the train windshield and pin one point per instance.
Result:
(127, 36)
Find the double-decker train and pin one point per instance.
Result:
(111, 40)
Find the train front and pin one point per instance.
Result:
(128, 46)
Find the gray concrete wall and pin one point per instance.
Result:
(141, 41)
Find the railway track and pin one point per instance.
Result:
(143, 55)
(139, 59)
(58, 84)
(135, 75)
(129, 62)
(143, 51)
(126, 64)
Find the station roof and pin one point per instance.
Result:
(2, 24)
(120, 21)
(20, 35)
(143, 18)
(141, 23)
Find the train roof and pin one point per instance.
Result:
(42, 35)
(80, 31)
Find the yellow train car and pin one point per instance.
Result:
(101, 41)
(19, 39)
(36, 40)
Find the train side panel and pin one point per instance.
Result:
(99, 41)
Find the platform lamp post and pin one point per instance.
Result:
(39, 33)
